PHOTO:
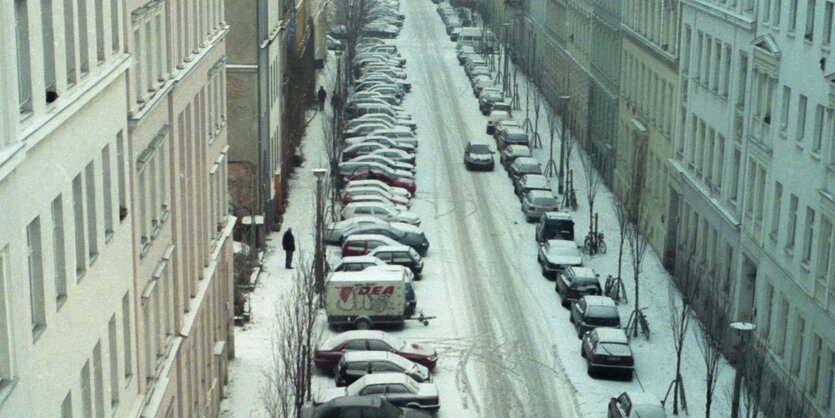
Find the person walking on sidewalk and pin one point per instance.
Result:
(288, 243)
(335, 100)
(322, 95)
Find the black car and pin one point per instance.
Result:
(576, 282)
(401, 255)
(522, 166)
(478, 156)
(356, 364)
(592, 312)
(360, 406)
(606, 350)
(403, 233)
(555, 225)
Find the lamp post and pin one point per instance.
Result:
(564, 100)
(319, 250)
(743, 330)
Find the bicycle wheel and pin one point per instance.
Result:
(587, 245)
(601, 247)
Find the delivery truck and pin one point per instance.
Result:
(380, 295)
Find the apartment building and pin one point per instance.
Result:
(67, 318)
(647, 112)
(604, 86)
(115, 254)
(254, 92)
(176, 106)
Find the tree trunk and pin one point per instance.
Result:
(620, 253)
(637, 300)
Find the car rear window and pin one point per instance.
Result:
(480, 148)
(545, 201)
(613, 349)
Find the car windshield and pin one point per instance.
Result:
(545, 201)
(480, 148)
(529, 168)
(613, 349)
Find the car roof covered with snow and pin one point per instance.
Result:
(611, 335)
(337, 339)
(595, 300)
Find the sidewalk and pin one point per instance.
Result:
(253, 340)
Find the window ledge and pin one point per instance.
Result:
(59, 301)
(146, 245)
(93, 258)
(804, 265)
(108, 235)
(37, 331)
(79, 274)
(789, 251)
(815, 155)
(773, 236)
(6, 386)
(799, 144)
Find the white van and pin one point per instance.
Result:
(374, 296)
(474, 37)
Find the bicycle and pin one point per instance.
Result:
(643, 323)
(594, 243)
(615, 289)
(570, 200)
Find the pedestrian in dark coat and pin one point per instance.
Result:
(335, 100)
(288, 242)
(322, 95)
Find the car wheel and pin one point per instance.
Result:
(580, 332)
(564, 303)
(362, 324)
(582, 353)
(544, 273)
(589, 370)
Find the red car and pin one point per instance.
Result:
(375, 174)
(362, 244)
(327, 356)
(360, 149)
(359, 193)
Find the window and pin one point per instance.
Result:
(126, 330)
(5, 342)
(815, 364)
(86, 396)
(778, 9)
(766, 10)
(69, 41)
(114, 25)
(801, 118)
(98, 381)
(92, 229)
(765, 322)
(120, 175)
(36, 289)
(817, 133)
(137, 65)
(742, 83)
(809, 231)
(797, 352)
(58, 259)
(107, 189)
(99, 30)
(792, 15)
(24, 70)
(83, 47)
(78, 217)
(113, 356)
(824, 258)
(791, 229)
(726, 71)
(66, 406)
(810, 20)
(784, 111)
(827, 23)
(48, 50)
(775, 210)
(783, 318)
(828, 380)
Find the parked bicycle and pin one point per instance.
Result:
(594, 243)
(570, 200)
(615, 289)
(643, 323)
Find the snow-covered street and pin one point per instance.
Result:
(506, 346)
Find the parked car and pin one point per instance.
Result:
(333, 232)
(555, 225)
(362, 129)
(385, 141)
(377, 184)
(385, 177)
(356, 364)
(576, 282)
(389, 213)
(478, 155)
(401, 255)
(402, 233)
(354, 151)
(512, 152)
(606, 350)
(357, 263)
(397, 388)
(636, 405)
(487, 98)
(522, 166)
(350, 196)
(495, 117)
(592, 311)
(360, 406)
(530, 182)
(362, 244)
(374, 198)
(557, 255)
(512, 135)
(503, 126)
(395, 155)
(394, 165)
(347, 168)
(537, 202)
(380, 29)
(393, 121)
(328, 354)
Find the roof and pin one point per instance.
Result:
(515, 130)
(559, 215)
(366, 275)
(525, 161)
(594, 300)
(612, 335)
(361, 237)
(387, 377)
(583, 271)
(368, 355)
(374, 401)
(535, 193)
(390, 248)
(360, 259)
(358, 204)
(561, 243)
(353, 335)
(643, 398)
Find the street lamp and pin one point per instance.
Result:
(319, 250)
(564, 100)
(743, 330)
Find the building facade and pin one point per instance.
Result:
(604, 86)
(254, 91)
(118, 259)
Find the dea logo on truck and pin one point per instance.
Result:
(345, 292)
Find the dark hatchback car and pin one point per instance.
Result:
(522, 166)
(403, 233)
(356, 364)
(401, 255)
(592, 312)
(576, 282)
(606, 350)
(478, 156)
(360, 406)
(555, 225)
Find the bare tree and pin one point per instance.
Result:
(536, 140)
(551, 166)
(296, 335)
(331, 133)
(713, 326)
(754, 397)
(568, 139)
(681, 310)
(593, 181)
(634, 207)
(623, 221)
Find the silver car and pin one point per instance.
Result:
(537, 202)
